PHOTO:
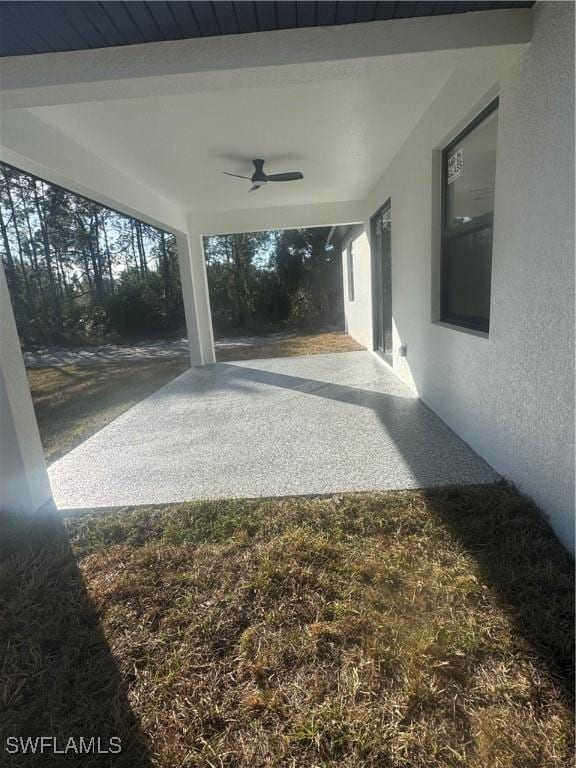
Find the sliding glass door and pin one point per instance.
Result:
(381, 224)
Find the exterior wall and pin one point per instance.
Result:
(358, 313)
(511, 395)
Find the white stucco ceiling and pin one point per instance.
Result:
(148, 129)
(341, 133)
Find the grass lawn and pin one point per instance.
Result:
(72, 402)
(304, 344)
(399, 630)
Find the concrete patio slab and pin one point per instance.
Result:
(294, 425)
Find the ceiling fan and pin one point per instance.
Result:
(259, 178)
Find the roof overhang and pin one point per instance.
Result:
(335, 102)
(268, 58)
(36, 28)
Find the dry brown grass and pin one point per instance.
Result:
(401, 630)
(305, 344)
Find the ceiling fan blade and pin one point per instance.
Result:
(237, 175)
(292, 176)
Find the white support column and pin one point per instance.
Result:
(202, 294)
(24, 484)
(196, 298)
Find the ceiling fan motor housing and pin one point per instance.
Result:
(258, 174)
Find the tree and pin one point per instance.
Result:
(269, 279)
(310, 272)
(66, 257)
(79, 272)
(230, 263)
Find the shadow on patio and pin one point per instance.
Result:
(308, 425)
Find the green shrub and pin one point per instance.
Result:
(82, 320)
(304, 312)
(138, 305)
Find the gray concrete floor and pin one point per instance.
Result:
(294, 425)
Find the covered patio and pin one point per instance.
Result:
(358, 115)
(147, 130)
(318, 424)
(309, 560)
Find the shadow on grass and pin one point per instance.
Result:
(518, 555)
(522, 561)
(517, 552)
(59, 677)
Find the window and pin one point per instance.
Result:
(468, 174)
(350, 264)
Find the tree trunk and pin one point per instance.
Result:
(165, 265)
(12, 277)
(86, 265)
(19, 308)
(108, 257)
(40, 319)
(95, 231)
(54, 299)
(91, 240)
(132, 242)
(83, 240)
(141, 250)
(238, 280)
(60, 273)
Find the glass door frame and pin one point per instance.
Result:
(378, 333)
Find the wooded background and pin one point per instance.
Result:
(266, 281)
(80, 273)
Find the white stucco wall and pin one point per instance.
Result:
(358, 313)
(24, 485)
(510, 396)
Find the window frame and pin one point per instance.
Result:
(378, 333)
(350, 270)
(450, 233)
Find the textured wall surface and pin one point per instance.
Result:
(24, 485)
(358, 312)
(533, 278)
(509, 395)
